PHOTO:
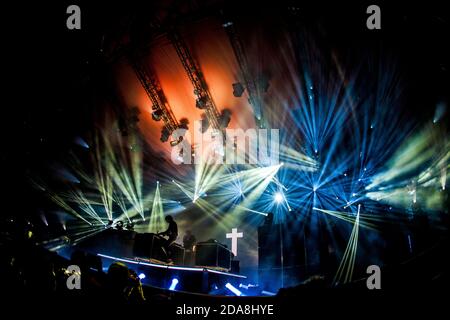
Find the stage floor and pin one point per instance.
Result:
(195, 279)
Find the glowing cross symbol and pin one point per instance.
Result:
(234, 235)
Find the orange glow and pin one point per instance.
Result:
(211, 48)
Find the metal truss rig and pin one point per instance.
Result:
(204, 99)
(151, 85)
(241, 58)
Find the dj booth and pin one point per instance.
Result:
(213, 254)
(206, 267)
(149, 246)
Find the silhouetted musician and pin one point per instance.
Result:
(189, 240)
(171, 233)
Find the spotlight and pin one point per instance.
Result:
(129, 226)
(165, 134)
(225, 118)
(81, 142)
(173, 143)
(174, 284)
(278, 197)
(157, 114)
(119, 225)
(184, 124)
(238, 89)
(246, 287)
(141, 276)
(233, 289)
(201, 103)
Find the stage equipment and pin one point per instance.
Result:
(235, 266)
(281, 256)
(149, 246)
(173, 284)
(189, 257)
(173, 143)
(177, 253)
(238, 89)
(278, 197)
(249, 82)
(161, 108)
(190, 279)
(236, 291)
(204, 98)
(213, 254)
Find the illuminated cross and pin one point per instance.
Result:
(234, 235)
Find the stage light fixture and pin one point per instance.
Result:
(225, 118)
(141, 276)
(238, 89)
(165, 134)
(233, 289)
(119, 225)
(173, 285)
(80, 141)
(201, 103)
(157, 114)
(267, 293)
(173, 143)
(129, 226)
